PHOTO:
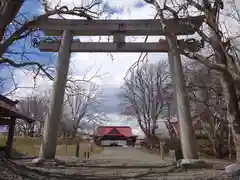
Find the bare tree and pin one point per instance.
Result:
(144, 95)
(208, 107)
(80, 110)
(37, 107)
(221, 59)
(18, 39)
(218, 55)
(82, 106)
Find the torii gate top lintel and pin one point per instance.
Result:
(135, 27)
(119, 29)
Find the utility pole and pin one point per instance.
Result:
(49, 142)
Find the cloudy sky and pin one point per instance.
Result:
(111, 68)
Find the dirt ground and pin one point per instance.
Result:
(112, 164)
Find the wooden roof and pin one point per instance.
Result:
(8, 109)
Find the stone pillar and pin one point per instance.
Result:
(49, 141)
(161, 144)
(188, 139)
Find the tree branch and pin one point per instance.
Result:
(19, 65)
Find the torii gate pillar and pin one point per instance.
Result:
(187, 134)
(49, 141)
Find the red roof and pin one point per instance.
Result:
(114, 130)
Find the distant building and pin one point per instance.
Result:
(114, 135)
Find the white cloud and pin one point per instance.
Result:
(114, 69)
(27, 85)
(122, 3)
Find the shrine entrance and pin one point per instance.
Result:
(119, 29)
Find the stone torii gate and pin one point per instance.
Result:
(118, 29)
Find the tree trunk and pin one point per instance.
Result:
(236, 138)
(229, 141)
(233, 112)
(31, 130)
(229, 90)
(8, 11)
(218, 150)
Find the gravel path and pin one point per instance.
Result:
(112, 164)
(130, 156)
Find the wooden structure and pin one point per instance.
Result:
(119, 29)
(114, 135)
(8, 115)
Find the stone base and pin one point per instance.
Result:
(194, 164)
(47, 162)
(233, 170)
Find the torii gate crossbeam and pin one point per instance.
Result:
(78, 46)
